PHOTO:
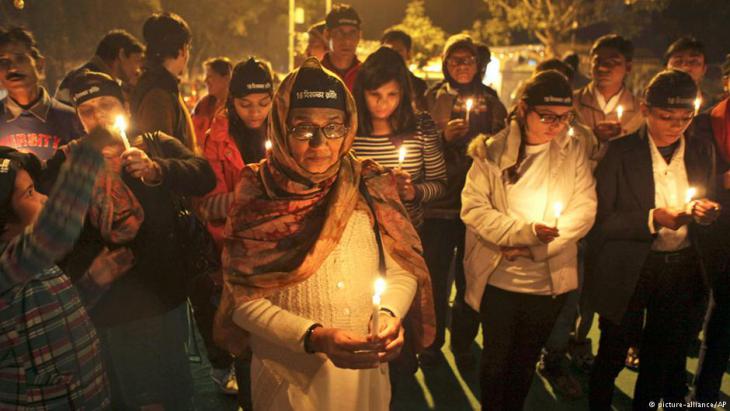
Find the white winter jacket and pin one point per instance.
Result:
(484, 212)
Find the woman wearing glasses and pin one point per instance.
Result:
(525, 207)
(310, 230)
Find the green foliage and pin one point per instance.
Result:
(428, 39)
(551, 22)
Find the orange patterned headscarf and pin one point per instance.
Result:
(285, 222)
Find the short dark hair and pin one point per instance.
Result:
(115, 40)
(555, 64)
(685, 44)
(221, 65)
(384, 65)
(617, 42)
(397, 35)
(16, 34)
(165, 34)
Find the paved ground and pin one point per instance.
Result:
(444, 388)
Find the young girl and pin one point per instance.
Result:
(525, 207)
(237, 135)
(50, 350)
(389, 128)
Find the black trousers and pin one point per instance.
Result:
(202, 293)
(715, 351)
(670, 288)
(440, 238)
(515, 327)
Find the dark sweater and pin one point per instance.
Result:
(155, 284)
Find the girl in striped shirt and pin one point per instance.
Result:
(392, 133)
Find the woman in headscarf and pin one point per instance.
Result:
(309, 231)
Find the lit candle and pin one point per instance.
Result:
(121, 125)
(619, 112)
(691, 193)
(557, 210)
(401, 155)
(268, 145)
(698, 104)
(379, 290)
(571, 132)
(469, 104)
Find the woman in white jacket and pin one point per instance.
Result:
(521, 258)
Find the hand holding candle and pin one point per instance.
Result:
(469, 105)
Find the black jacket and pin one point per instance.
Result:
(155, 284)
(620, 240)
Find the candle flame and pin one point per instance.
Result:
(558, 209)
(121, 124)
(401, 155)
(691, 193)
(571, 132)
(698, 104)
(379, 287)
(268, 145)
(619, 111)
(469, 104)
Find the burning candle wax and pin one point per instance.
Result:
(469, 105)
(691, 193)
(557, 210)
(619, 112)
(121, 125)
(401, 155)
(379, 290)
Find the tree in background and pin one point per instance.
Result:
(428, 39)
(552, 22)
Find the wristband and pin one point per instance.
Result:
(307, 337)
(389, 312)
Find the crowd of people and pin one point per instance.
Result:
(315, 225)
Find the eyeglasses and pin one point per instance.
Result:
(461, 61)
(306, 132)
(550, 118)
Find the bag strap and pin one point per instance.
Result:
(376, 226)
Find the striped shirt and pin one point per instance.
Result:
(50, 356)
(424, 161)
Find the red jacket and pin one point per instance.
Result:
(202, 115)
(348, 76)
(224, 157)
